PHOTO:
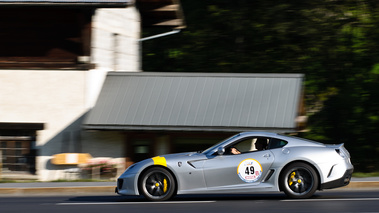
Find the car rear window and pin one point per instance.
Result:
(276, 143)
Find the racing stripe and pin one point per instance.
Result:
(160, 161)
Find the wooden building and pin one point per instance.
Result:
(54, 57)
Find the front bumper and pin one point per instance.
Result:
(343, 181)
(127, 185)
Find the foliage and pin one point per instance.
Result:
(333, 42)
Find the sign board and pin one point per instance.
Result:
(70, 158)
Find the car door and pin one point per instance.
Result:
(237, 171)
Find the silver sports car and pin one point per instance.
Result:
(248, 162)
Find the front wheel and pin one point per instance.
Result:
(299, 180)
(157, 184)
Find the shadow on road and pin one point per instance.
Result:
(117, 198)
(333, 194)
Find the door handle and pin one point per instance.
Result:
(267, 155)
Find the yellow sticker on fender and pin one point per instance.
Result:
(160, 161)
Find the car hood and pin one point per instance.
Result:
(193, 159)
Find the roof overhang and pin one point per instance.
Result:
(69, 3)
(161, 13)
(197, 102)
(184, 128)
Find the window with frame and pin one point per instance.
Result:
(253, 144)
(15, 154)
(276, 143)
(250, 144)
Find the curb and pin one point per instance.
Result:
(57, 190)
(363, 185)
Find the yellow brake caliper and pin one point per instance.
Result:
(290, 181)
(164, 185)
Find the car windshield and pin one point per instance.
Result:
(206, 152)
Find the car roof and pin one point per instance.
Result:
(264, 134)
(292, 141)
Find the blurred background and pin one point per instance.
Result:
(334, 43)
(93, 87)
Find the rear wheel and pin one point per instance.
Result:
(157, 184)
(299, 180)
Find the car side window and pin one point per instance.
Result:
(247, 145)
(276, 143)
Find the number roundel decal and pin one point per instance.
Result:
(249, 170)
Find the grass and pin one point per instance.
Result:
(362, 175)
(17, 181)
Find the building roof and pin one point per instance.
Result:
(94, 3)
(197, 102)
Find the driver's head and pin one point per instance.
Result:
(261, 144)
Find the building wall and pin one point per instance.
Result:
(61, 98)
(55, 98)
(114, 44)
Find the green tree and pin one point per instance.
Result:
(333, 42)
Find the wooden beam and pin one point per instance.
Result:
(171, 22)
(29, 126)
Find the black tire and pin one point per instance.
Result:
(299, 180)
(157, 184)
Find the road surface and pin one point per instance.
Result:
(326, 201)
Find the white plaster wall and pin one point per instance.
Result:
(94, 81)
(60, 100)
(116, 52)
(108, 54)
(55, 98)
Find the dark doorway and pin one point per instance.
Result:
(18, 146)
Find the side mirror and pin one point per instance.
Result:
(220, 150)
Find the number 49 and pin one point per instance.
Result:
(249, 170)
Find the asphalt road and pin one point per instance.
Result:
(328, 201)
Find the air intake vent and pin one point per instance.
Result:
(120, 182)
(269, 175)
